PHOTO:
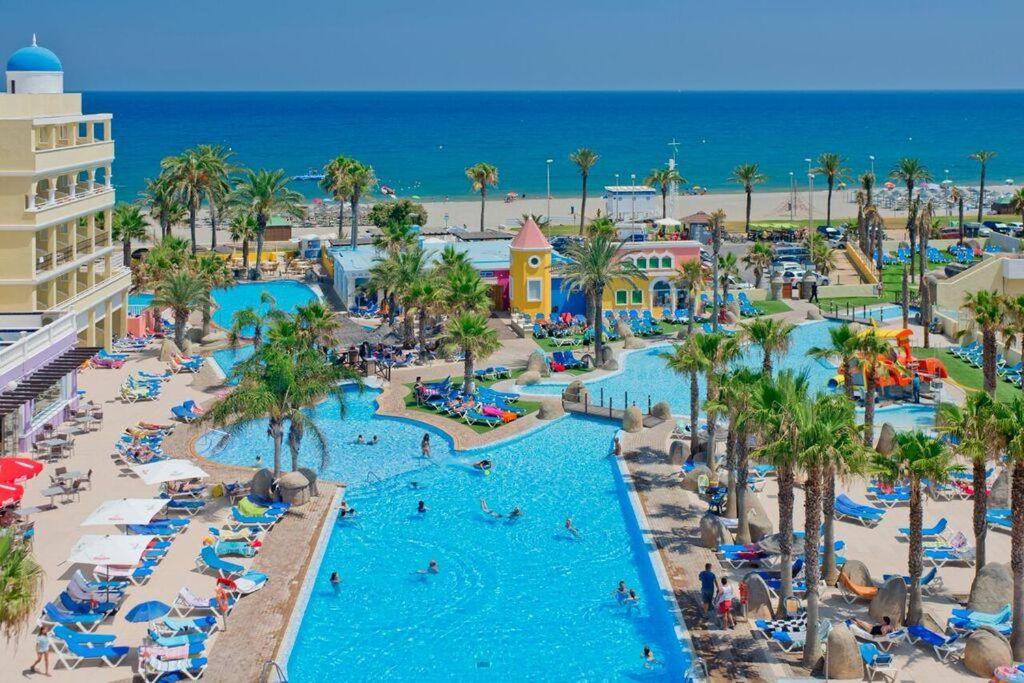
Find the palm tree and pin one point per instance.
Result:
(734, 392)
(1016, 202)
(982, 156)
(690, 276)
(664, 179)
(867, 183)
(688, 359)
(254, 318)
(216, 160)
(771, 335)
(875, 225)
(910, 171)
(465, 291)
(759, 259)
(188, 175)
(262, 193)
(986, 309)
(244, 229)
(386, 278)
(748, 175)
(361, 179)
(956, 196)
(717, 221)
(584, 158)
(317, 323)
(451, 260)
(830, 164)
(129, 224)
(917, 458)
(1011, 429)
(315, 380)
(412, 266)
(720, 350)
(215, 273)
(974, 431)
(162, 203)
(821, 254)
(482, 176)
(182, 292)
(870, 350)
(21, 580)
(426, 296)
(728, 267)
(469, 333)
(394, 238)
(603, 225)
(593, 266)
(925, 226)
(336, 183)
(843, 344)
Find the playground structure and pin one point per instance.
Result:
(895, 378)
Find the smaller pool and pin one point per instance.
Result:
(137, 303)
(288, 295)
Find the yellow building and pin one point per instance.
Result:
(56, 198)
(530, 271)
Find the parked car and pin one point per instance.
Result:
(786, 265)
(739, 283)
(1003, 228)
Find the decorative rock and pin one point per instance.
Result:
(262, 482)
(537, 363)
(168, 349)
(190, 348)
(999, 494)
(682, 334)
(549, 411)
(634, 343)
(843, 654)
(992, 588)
(207, 376)
(757, 521)
(576, 392)
(886, 439)
(891, 602)
(623, 329)
(679, 451)
(713, 532)
(215, 337)
(311, 476)
(814, 314)
(527, 378)
(632, 420)
(293, 488)
(610, 365)
(857, 572)
(759, 599)
(691, 477)
(662, 410)
(986, 651)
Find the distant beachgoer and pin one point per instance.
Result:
(223, 600)
(621, 592)
(375, 440)
(42, 650)
(570, 528)
(421, 507)
(414, 485)
(346, 510)
(425, 446)
(708, 588)
(360, 440)
(487, 510)
(916, 386)
(335, 581)
(617, 448)
(649, 659)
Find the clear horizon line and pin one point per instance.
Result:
(571, 90)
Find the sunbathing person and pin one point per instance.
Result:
(883, 629)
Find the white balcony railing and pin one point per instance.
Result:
(42, 203)
(22, 351)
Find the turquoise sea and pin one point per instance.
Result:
(420, 143)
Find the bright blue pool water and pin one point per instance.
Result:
(288, 295)
(137, 303)
(514, 600)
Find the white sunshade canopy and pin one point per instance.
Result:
(119, 549)
(668, 222)
(169, 470)
(126, 511)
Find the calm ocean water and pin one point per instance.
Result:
(419, 143)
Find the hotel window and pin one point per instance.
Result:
(666, 261)
(641, 263)
(620, 297)
(638, 296)
(51, 397)
(533, 291)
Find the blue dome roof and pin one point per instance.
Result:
(34, 58)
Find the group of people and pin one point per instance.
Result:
(562, 326)
(361, 440)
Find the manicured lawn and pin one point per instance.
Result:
(966, 375)
(411, 404)
(769, 307)
(548, 345)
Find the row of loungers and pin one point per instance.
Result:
(485, 407)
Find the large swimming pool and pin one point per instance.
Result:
(514, 599)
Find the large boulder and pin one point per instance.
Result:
(691, 477)
(662, 410)
(814, 314)
(634, 343)
(758, 522)
(992, 588)
(886, 439)
(999, 494)
(623, 329)
(527, 378)
(857, 572)
(168, 349)
(759, 599)
(190, 348)
(538, 363)
(262, 483)
(312, 477)
(632, 420)
(294, 488)
(215, 337)
(576, 392)
(986, 651)
(891, 601)
(549, 411)
(843, 654)
(679, 451)
(207, 376)
(713, 532)
(611, 365)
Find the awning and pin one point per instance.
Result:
(126, 511)
(169, 470)
(31, 386)
(14, 470)
(119, 549)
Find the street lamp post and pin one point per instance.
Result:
(810, 195)
(549, 188)
(618, 192)
(872, 158)
(792, 196)
(632, 201)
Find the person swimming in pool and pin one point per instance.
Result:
(650, 661)
(432, 568)
(631, 601)
(483, 465)
(346, 510)
(421, 507)
(375, 440)
(335, 581)
(516, 513)
(621, 592)
(360, 440)
(425, 446)
(487, 510)
(572, 530)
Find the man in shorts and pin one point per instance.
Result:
(725, 598)
(708, 589)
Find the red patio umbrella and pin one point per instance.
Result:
(10, 494)
(14, 470)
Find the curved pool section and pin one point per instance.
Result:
(518, 599)
(288, 295)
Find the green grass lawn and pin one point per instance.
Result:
(410, 403)
(769, 307)
(966, 375)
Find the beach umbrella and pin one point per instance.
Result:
(14, 469)
(168, 470)
(147, 611)
(115, 549)
(126, 511)
(890, 185)
(10, 494)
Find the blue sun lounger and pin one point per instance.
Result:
(208, 559)
(179, 639)
(876, 662)
(69, 604)
(174, 626)
(930, 582)
(261, 523)
(55, 616)
(999, 617)
(945, 647)
(940, 557)
(67, 635)
(865, 514)
(76, 653)
(931, 533)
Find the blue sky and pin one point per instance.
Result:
(526, 45)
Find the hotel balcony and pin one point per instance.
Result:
(61, 204)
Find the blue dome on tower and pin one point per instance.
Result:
(34, 58)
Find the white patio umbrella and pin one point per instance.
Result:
(126, 511)
(169, 470)
(668, 222)
(116, 549)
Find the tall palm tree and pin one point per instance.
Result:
(386, 279)
(593, 266)
(771, 336)
(188, 175)
(584, 158)
(21, 581)
(317, 323)
(361, 179)
(728, 267)
(867, 186)
(717, 223)
(128, 224)
(862, 234)
(688, 359)
(215, 273)
(336, 183)
(1011, 428)
(481, 176)
(469, 333)
(830, 164)
(749, 176)
(844, 345)
(162, 203)
(956, 196)
(182, 292)
(917, 458)
(253, 318)
(925, 226)
(426, 296)
(464, 290)
(974, 431)
(316, 379)
(875, 225)
(759, 259)
(664, 179)
(217, 161)
(262, 193)
(394, 238)
(910, 172)
(821, 253)
(871, 349)
(734, 392)
(720, 350)
(982, 156)
(986, 309)
(1016, 201)
(412, 266)
(450, 260)
(244, 229)
(689, 277)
